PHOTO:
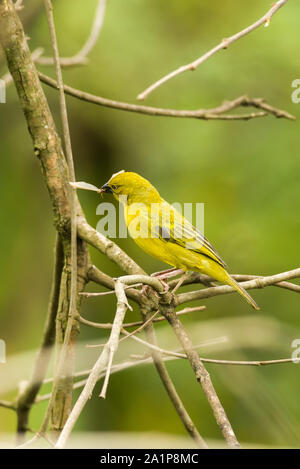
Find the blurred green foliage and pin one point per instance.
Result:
(246, 173)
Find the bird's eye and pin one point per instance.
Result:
(114, 187)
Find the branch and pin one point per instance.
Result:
(199, 369)
(166, 357)
(69, 333)
(108, 325)
(170, 387)
(61, 400)
(103, 361)
(140, 328)
(224, 44)
(8, 405)
(258, 282)
(95, 275)
(27, 397)
(8, 79)
(196, 277)
(88, 294)
(145, 280)
(287, 285)
(176, 354)
(202, 377)
(81, 57)
(106, 246)
(217, 113)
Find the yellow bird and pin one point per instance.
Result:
(161, 230)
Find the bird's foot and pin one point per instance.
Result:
(180, 282)
(165, 274)
(163, 277)
(164, 284)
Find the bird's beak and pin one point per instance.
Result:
(106, 189)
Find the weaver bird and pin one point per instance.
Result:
(161, 231)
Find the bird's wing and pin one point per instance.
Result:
(176, 229)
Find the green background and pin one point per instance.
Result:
(246, 173)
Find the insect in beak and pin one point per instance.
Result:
(88, 187)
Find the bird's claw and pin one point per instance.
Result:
(165, 285)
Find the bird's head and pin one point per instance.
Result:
(131, 185)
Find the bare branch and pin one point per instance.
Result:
(170, 387)
(258, 282)
(176, 354)
(28, 395)
(217, 113)
(224, 44)
(145, 279)
(106, 246)
(202, 377)
(73, 206)
(95, 275)
(168, 357)
(108, 325)
(140, 328)
(87, 294)
(196, 277)
(81, 57)
(287, 285)
(8, 405)
(8, 79)
(103, 361)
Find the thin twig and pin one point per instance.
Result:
(102, 362)
(8, 405)
(202, 377)
(169, 386)
(166, 357)
(205, 343)
(215, 361)
(196, 277)
(140, 328)
(108, 372)
(81, 57)
(224, 44)
(95, 275)
(28, 395)
(87, 294)
(108, 325)
(217, 113)
(286, 285)
(258, 282)
(152, 346)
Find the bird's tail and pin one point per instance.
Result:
(242, 291)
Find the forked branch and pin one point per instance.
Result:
(224, 44)
(216, 113)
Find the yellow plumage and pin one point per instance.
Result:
(164, 233)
